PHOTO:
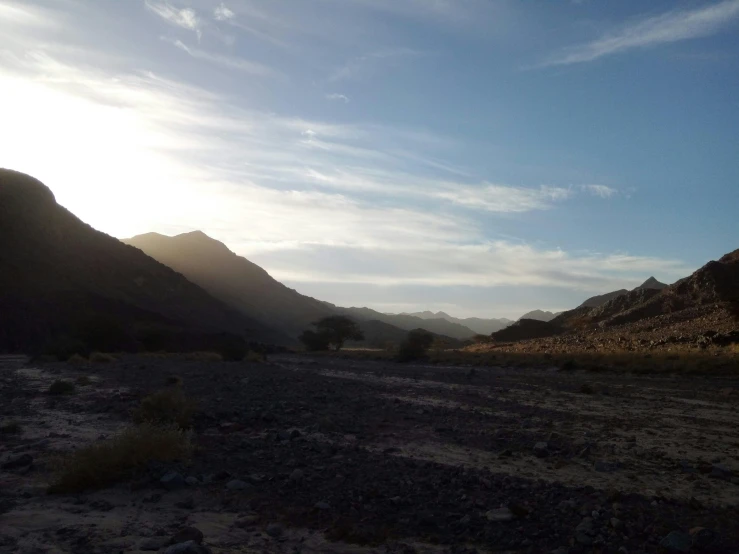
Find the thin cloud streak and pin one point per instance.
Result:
(185, 18)
(652, 31)
(336, 96)
(228, 62)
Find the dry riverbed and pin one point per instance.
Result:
(327, 454)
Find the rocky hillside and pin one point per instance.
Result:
(705, 302)
(59, 276)
(540, 315)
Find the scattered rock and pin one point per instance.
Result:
(274, 530)
(720, 471)
(154, 544)
(323, 506)
(237, 485)
(187, 534)
(189, 547)
(172, 481)
(192, 481)
(605, 467)
(702, 537)
(677, 541)
(247, 521)
(541, 449)
(297, 475)
(15, 462)
(500, 514)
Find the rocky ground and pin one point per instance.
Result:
(304, 454)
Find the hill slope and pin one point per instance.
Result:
(250, 289)
(233, 279)
(539, 315)
(59, 275)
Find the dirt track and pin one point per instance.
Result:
(391, 457)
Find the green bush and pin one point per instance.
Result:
(10, 428)
(101, 358)
(314, 341)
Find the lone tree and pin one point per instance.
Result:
(333, 330)
(415, 345)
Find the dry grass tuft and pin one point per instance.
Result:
(77, 359)
(169, 406)
(10, 428)
(60, 387)
(255, 357)
(102, 358)
(106, 462)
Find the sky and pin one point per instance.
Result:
(481, 157)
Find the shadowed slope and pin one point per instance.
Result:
(58, 273)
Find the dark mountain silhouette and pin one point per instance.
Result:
(439, 326)
(478, 325)
(539, 315)
(250, 289)
(233, 279)
(703, 302)
(59, 276)
(525, 329)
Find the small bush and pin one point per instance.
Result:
(166, 407)
(83, 380)
(255, 357)
(587, 388)
(10, 428)
(568, 365)
(109, 461)
(174, 380)
(101, 358)
(76, 359)
(415, 345)
(60, 387)
(204, 357)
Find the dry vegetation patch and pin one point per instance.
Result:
(168, 406)
(106, 462)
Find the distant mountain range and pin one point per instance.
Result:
(540, 315)
(477, 325)
(61, 278)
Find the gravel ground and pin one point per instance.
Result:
(306, 454)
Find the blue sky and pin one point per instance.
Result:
(482, 157)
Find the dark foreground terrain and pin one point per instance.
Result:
(316, 455)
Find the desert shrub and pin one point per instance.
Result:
(60, 387)
(568, 365)
(204, 357)
(173, 380)
(106, 462)
(168, 406)
(101, 358)
(233, 350)
(255, 357)
(63, 348)
(314, 341)
(83, 380)
(587, 388)
(415, 345)
(77, 359)
(10, 428)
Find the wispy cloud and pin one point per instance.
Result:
(187, 18)
(363, 66)
(228, 62)
(336, 96)
(600, 190)
(652, 31)
(503, 198)
(223, 13)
